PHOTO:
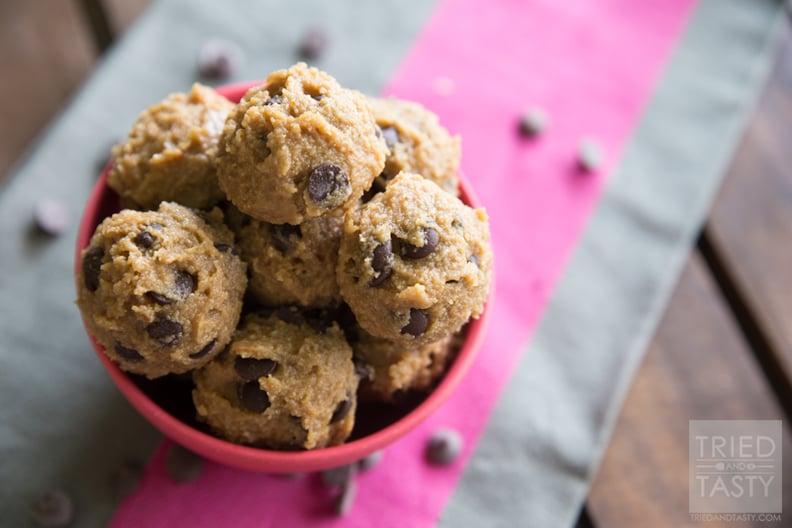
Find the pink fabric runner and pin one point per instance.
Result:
(592, 65)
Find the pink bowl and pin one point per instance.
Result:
(166, 403)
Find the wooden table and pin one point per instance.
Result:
(722, 351)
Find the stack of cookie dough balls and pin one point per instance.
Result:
(308, 254)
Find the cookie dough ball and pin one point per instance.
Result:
(393, 368)
(291, 264)
(280, 385)
(414, 262)
(161, 290)
(417, 143)
(170, 152)
(299, 147)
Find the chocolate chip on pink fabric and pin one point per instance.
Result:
(144, 239)
(391, 136)
(382, 262)
(130, 354)
(444, 446)
(92, 267)
(205, 350)
(328, 185)
(338, 476)
(533, 122)
(253, 398)
(342, 410)
(53, 509)
(344, 501)
(281, 235)
(370, 461)
(431, 240)
(165, 331)
(183, 465)
(250, 369)
(417, 324)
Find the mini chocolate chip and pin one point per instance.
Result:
(370, 461)
(250, 369)
(92, 267)
(53, 509)
(341, 410)
(144, 240)
(382, 262)
(338, 476)
(130, 354)
(205, 350)
(275, 99)
(281, 235)
(289, 314)
(165, 331)
(183, 284)
(444, 446)
(159, 298)
(51, 216)
(533, 122)
(226, 248)
(431, 240)
(328, 185)
(475, 260)
(253, 398)
(219, 59)
(318, 97)
(312, 44)
(343, 502)
(183, 465)
(418, 323)
(391, 136)
(590, 156)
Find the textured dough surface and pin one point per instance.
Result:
(280, 133)
(417, 143)
(161, 290)
(445, 287)
(170, 152)
(308, 377)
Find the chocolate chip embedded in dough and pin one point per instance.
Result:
(253, 398)
(250, 369)
(431, 241)
(382, 263)
(130, 354)
(53, 509)
(391, 136)
(159, 298)
(165, 331)
(144, 239)
(417, 324)
(328, 185)
(341, 410)
(226, 248)
(275, 99)
(205, 350)
(183, 284)
(92, 267)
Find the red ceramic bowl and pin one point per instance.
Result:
(166, 402)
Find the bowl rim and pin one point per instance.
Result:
(267, 460)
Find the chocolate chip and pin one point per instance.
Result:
(289, 314)
(205, 350)
(338, 476)
(343, 502)
(165, 331)
(590, 155)
(341, 410)
(475, 260)
(144, 240)
(183, 465)
(363, 370)
(318, 97)
(418, 323)
(53, 509)
(391, 136)
(275, 99)
(281, 235)
(253, 398)
(159, 298)
(226, 248)
(328, 185)
(370, 461)
(92, 267)
(130, 354)
(431, 240)
(51, 216)
(250, 369)
(382, 262)
(313, 43)
(533, 122)
(183, 284)
(219, 59)
(444, 446)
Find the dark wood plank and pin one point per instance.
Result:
(45, 53)
(750, 228)
(697, 367)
